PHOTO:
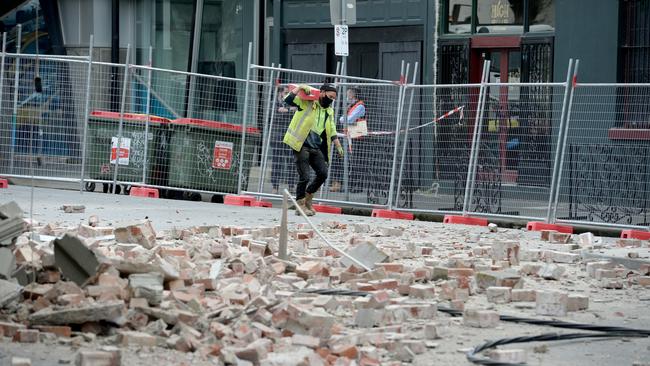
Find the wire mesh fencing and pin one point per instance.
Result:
(560, 151)
(516, 149)
(41, 131)
(606, 167)
(365, 114)
(174, 130)
(439, 123)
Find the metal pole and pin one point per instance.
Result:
(400, 101)
(270, 126)
(121, 126)
(284, 226)
(406, 138)
(266, 137)
(564, 141)
(478, 135)
(315, 228)
(15, 110)
(145, 164)
(337, 108)
(471, 166)
(551, 194)
(2, 68)
(244, 117)
(86, 114)
(196, 40)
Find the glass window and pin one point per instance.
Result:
(541, 15)
(26, 16)
(221, 53)
(222, 37)
(459, 16)
(173, 30)
(500, 16)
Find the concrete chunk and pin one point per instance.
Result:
(74, 259)
(366, 253)
(577, 303)
(551, 271)
(7, 263)
(499, 295)
(98, 358)
(9, 292)
(110, 311)
(72, 208)
(141, 233)
(551, 303)
(480, 318)
(148, 286)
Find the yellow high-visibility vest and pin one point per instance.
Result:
(304, 120)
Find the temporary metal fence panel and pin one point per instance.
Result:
(606, 172)
(439, 143)
(41, 131)
(216, 134)
(181, 132)
(518, 141)
(363, 175)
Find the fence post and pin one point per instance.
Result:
(406, 137)
(270, 125)
(14, 115)
(2, 69)
(346, 142)
(476, 140)
(325, 187)
(567, 123)
(284, 226)
(560, 135)
(244, 117)
(266, 136)
(398, 122)
(147, 111)
(86, 114)
(121, 126)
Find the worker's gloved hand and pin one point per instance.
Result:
(339, 149)
(304, 87)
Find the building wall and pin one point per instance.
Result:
(587, 30)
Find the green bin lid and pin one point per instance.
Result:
(202, 123)
(129, 117)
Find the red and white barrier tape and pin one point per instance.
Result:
(446, 115)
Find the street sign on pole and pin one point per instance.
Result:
(341, 40)
(350, 14)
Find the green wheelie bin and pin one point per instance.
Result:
(205, 155)
(102, 140)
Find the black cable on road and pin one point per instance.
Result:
(472, 356)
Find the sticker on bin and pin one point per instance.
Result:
(125, 149)
(222, 158)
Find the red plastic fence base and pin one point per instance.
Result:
(250, 201)
(328, 209)
(464, 220)
(261, 203)
(235, 200)
(390, 214)
(635, 234)
(4, 183)
(539, 226)
(144, 192)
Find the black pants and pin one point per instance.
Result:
(305, 158)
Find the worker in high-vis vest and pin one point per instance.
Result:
(310, 135)
(356, 111)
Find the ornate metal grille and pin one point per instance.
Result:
(609, 183)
